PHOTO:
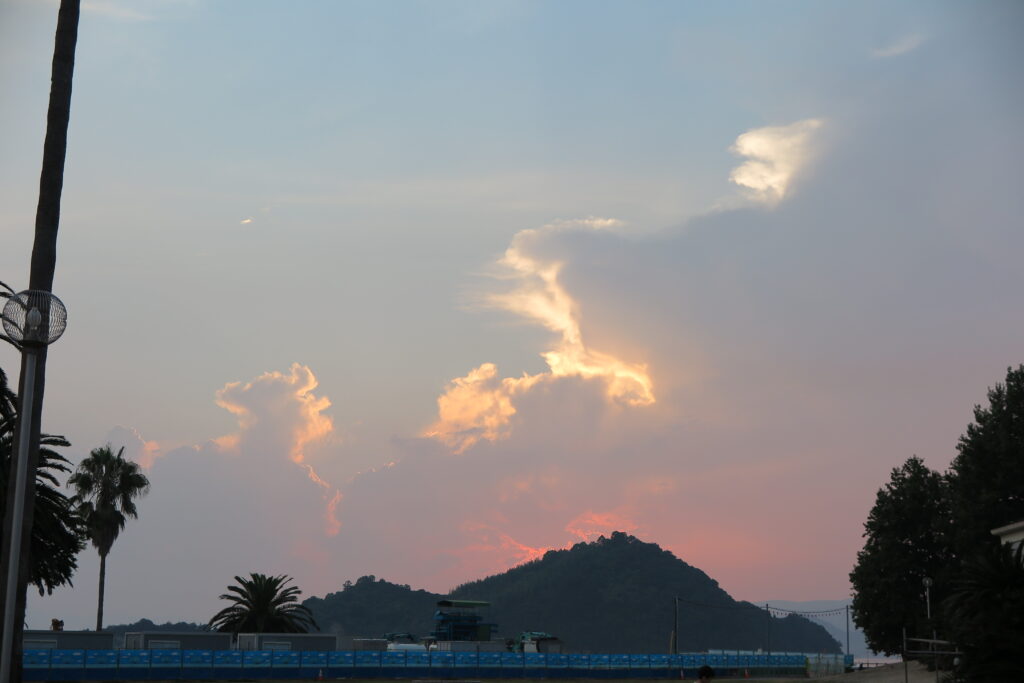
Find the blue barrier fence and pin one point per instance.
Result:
(58, 665)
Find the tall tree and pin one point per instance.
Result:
(986, 613)
(263, 604)
(907, 536)
(106, 486)
(44, 258)
(986, 479)
(57, 531)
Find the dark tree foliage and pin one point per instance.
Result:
(57, 529)
(986, 479)
(263, 604)
(612, 595)
(907, 536)
(986, 613)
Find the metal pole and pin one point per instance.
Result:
(906, 670)
(848, 630)
(768, 631)
(675, 632)
(21, 477)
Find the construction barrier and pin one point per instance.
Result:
(158, 664)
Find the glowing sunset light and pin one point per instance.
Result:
(479, 405)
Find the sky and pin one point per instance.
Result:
(424, 289)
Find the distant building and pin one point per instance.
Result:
(1011, 534)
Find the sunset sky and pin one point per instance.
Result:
(422, 289)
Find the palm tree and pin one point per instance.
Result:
(57, 530)
(263, 604)
(106, 486)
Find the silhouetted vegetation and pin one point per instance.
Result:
(106, 486)
(263, 604)
(612, 595)
(58, 533)
(939, 526)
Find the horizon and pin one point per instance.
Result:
(425, 290)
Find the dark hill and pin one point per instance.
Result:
(612, 595)
(371, 607)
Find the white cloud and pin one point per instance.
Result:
(774, 155)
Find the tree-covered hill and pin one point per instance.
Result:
(612, 595)
(369, 608)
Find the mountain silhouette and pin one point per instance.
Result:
(613, 595)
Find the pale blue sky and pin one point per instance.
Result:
(255, 184)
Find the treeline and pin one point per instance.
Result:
(929, 546)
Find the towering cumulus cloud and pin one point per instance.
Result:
(480, 405)
(280, 410)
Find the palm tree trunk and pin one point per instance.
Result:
(51, 183)
(103, 584)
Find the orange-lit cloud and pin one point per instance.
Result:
(480, 405)
(590, 525)
(282, 411)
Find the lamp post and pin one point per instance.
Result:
(32, 320)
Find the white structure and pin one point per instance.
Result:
(1011, 534)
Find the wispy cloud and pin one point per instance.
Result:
(774, 155)
(901, 46)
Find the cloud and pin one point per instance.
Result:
(135, 447)
(901, 46)
(775, 155)
(280, 409)
(479, 405)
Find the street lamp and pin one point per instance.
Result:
(927, 581)
(32, 320)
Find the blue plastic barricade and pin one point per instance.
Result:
(557, 661)
(227, 659)
(534, 660)
(101, 659)
(340, 663)
(197, 659)
(600, 661)
(512, 660)
(341, 659)
(490, 660)
(164, 664)
(465, 660)
(579, 661)
(165, 658)
(442, 660)
(281, 659)
(417, 660)
(367, 659)
(314, 659)
(257, 659)
(639, 662)
(392, 664)
(133, 659)
(619, 661)
(393, 659)
(35, 659)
